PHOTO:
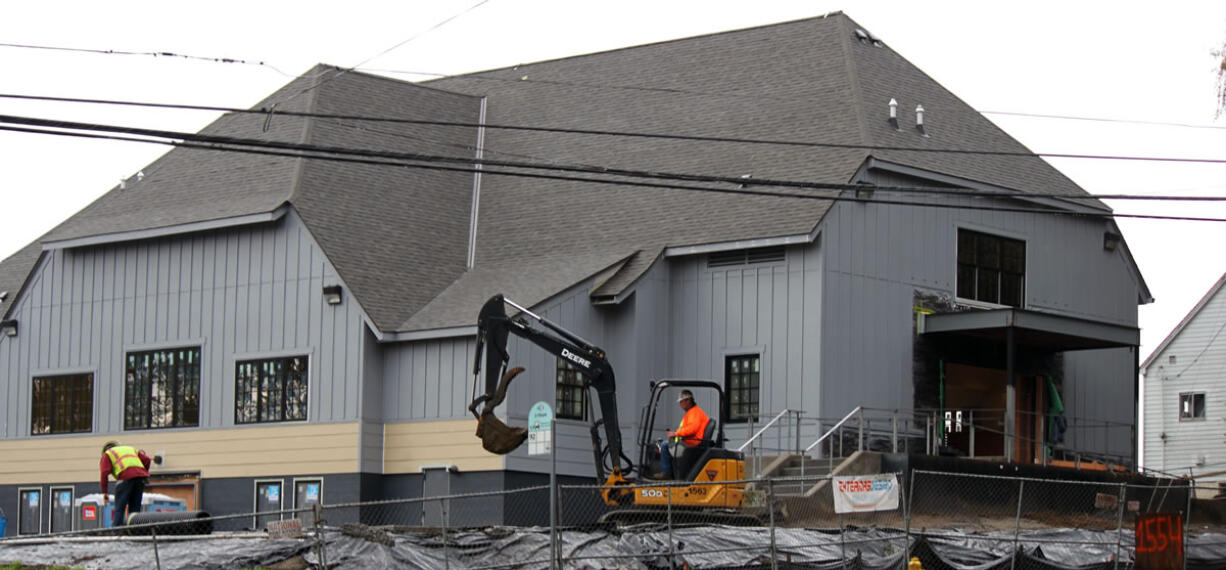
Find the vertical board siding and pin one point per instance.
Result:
(771, 309)
(878, 256)
(1199, 352)
(231, 293)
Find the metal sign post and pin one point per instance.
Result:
(541, 433)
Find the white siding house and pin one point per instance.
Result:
(1184, 419)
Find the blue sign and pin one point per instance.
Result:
(540, 418)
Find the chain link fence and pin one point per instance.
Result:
(946, 520)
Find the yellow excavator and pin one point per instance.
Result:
(716, 489)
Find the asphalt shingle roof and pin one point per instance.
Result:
(398, 236)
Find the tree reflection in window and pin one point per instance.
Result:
(270, 390)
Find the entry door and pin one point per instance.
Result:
(61, 509)
(437, 484)
(30, 511)
(268, 498)
(307, 492)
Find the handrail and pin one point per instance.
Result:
(830, 431)
(763, 429)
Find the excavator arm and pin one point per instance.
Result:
(493, 329)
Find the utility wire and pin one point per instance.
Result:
(583, 169)
(321, 82)
(628, 134)
(408, 160)
(149, 53)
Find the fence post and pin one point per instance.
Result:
(842, 536)
(319, 534)
(907, 517)
(1186, 521)
(770, 509)
(1119, 524)
(443, 515)
(1017, 523)
(669, 509)
(157, 558)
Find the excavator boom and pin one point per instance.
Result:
(494, 327)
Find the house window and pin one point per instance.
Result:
(742, 376)
(1192, 406)
(571, 392)
(162, 389)
(63, 404)
(991, 268)
(270, 390)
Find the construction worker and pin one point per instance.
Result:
(131, 468)
(689, 433)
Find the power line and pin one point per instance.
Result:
(148, 53)
(1103, 120)
(410, 160)
(583, 169)
(629, 134)
(321, 82)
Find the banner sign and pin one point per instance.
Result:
(864, 493)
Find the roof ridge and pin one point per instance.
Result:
(701, 35)
(853, 79)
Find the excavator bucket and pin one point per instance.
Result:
(496, 436)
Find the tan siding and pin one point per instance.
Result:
(242, 452)
(410, 446)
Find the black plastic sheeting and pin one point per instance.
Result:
(170, 522)
(626, 548)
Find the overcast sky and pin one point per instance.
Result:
(1149, 70)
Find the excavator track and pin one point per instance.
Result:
(730, 517)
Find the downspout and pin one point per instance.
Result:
(941, 402)
(476, 196)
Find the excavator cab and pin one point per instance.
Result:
(688, 461)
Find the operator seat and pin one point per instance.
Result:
(688, 456)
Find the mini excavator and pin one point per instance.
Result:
(716, 492)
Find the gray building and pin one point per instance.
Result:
(286, 308)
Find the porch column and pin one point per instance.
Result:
(1010, 403)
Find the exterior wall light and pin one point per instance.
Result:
(332, 294)
(8, 327)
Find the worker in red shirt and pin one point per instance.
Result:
(689, 433)
(131, 468)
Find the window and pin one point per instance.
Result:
(571, 392)
(742, 376)
(1192, 406)
(991, 269)
(162, 389)
(63, 404)
(272, 390)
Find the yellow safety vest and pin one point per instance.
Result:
(123, 457)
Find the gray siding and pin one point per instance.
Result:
(878, 256)
(427, 380)
(770, 309)
(246, 293)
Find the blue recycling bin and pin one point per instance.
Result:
(4, 522)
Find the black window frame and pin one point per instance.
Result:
(1197, 401)
(743, 388)
(179, 369)
(570, 391)
(990, 269)
(264, 382)
(49, 395)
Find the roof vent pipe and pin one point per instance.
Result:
(894, 114)
(919, 120)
